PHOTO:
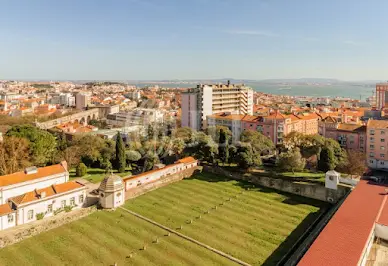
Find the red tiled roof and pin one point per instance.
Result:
(187, 160)
(344, 238)
(5, 209)
(19, 177)
(49, 191)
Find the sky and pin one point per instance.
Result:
(193, 39)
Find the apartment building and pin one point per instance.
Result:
(205, 100)
(233, 122)
(275, 126)
(381, 95)
(82, 100)
(377, 139)
(349, 136)
(138, 116)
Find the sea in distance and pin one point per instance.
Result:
(353, 91)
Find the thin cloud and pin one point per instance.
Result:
(353, 43)
(252, 32)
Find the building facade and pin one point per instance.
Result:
(82, 100)
(377, 139)
(381, 95)
(349, 136)
(205, 100)
(36, 193)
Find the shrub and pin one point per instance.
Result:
(40, 216)
(81, 170)
(68, 208)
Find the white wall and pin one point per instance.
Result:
(155, 175)
(41, 205)
(21, 188)
(4, 221)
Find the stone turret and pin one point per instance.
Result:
(112, 194)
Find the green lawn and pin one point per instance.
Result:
(95, 175)
(104, 238)
(259, 226)
(256, 225)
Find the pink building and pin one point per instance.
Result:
(277, 125)
(349, 136)
(377, 139)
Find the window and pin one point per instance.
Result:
(382, 147)
(10, 218)
(382, 155)
(30, 214)
(382, 162)
(372, 146)
(372, 154)
(63, 203)
(382, 132)
(81, 198)
(372, 139)
(382, 140)
(49, 208)
(72, 201)
(372, 131)
(371, 161)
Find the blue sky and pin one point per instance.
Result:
(191, 39)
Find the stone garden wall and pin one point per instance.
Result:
(305, 189)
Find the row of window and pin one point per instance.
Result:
(372, 146)
(30, 213)
(381, 162)
(373, 139)
(372, 132)
(372, 154)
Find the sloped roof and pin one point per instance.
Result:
(5, 209)
(111, 183)
(49, 191)
(20, 177)
(344, 238)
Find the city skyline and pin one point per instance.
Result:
(149, 40)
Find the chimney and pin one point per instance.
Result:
(31, 170)
(64, 165)
(43, 195)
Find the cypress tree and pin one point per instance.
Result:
(326, 160)
(120, 154)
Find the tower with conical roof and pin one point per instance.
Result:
(112, 192)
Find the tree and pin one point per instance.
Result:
(150, 160)
(260, 143)
(355, 163)
(120, 162)
(14, 155)
(81, 170)
(132, 156)
(291, 160)
(223, 146)
(246, 157)
(185, 133)
(42, 143)
(71, 155)
(215, 131)
(178, 145)
(327, 160)
(339, 153)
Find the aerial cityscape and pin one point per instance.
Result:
(221, 132)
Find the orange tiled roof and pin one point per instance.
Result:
(49, 191)
(5, 209)
(19, 177)
(377, 123)
(187, 160)
(351, 127)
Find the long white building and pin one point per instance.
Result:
(36, 193)
(205, 100)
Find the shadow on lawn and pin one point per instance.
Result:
(290, 245)
(290, 199)
(286, 248)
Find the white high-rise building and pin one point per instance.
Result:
(82, 100)
(206, 100)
